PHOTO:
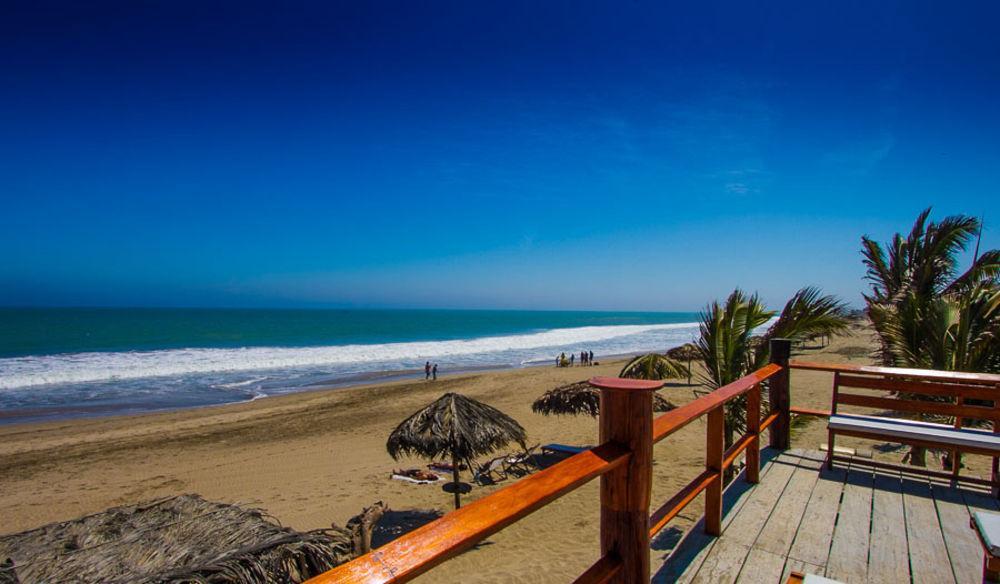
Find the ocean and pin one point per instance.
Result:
(71, 362)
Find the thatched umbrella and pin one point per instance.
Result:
(457, 426)
(582, 398)
(180, 539)
(687, 352)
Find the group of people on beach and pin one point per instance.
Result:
(430, 371)
(586, 358)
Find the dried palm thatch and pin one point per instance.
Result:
(454, 426)
(582, 398)
(687, 352)
(183, 539)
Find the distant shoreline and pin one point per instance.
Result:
(32, 416)
(224, 357)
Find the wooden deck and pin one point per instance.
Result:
(851, 524)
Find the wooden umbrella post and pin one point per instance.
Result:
(454, 481)
(627, 419)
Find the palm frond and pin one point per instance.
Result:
(652, 366)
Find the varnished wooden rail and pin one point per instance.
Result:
(604, 570)
(623, 462)
(420, 550)
(717, 458)
(677, 418)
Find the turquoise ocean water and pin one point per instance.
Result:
(68, 362)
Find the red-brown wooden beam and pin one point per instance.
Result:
(662, 516)
(604, 570)
(413, 554)
(675, 419)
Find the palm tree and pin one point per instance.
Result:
(730, 348)
(918, 296)
(953, 332)
(652, 366)
(926, 311)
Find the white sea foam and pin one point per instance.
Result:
(20, 372)
(238, 384)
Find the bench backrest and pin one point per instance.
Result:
(952, 399)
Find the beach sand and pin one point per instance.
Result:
(315, 458)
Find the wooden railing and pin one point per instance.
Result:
(717, 458)
(623, 461)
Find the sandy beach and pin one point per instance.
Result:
(316, 458)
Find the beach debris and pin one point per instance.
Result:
(582, 398)
(362, 526)
(180, 539)
(456, 427)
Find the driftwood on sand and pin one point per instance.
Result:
(180, 539)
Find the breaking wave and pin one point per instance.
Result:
(535, 347)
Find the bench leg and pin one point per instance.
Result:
(991, 571)
(829, 450)
(996, 478)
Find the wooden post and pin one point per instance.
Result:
(753, 429)
(715, 449)
(831, 436)
(455, 483)
(627, 418)
(781, 350)
(995, 475)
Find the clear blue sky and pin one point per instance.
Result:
(571, 155)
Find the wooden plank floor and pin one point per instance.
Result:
(852, 524)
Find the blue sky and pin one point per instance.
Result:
(525, 155)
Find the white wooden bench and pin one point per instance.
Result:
(951, 400)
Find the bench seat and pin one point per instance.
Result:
(944, 434)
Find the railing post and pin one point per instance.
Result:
(627, 418)
(781, 350)
(715, 449)
(753, 429)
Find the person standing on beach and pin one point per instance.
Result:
(590, 358)
(427, 370)
(434, 371)
(572, 359)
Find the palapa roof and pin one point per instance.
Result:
(454, 425)
(582, 398)
(180, 539)
(685, 352)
